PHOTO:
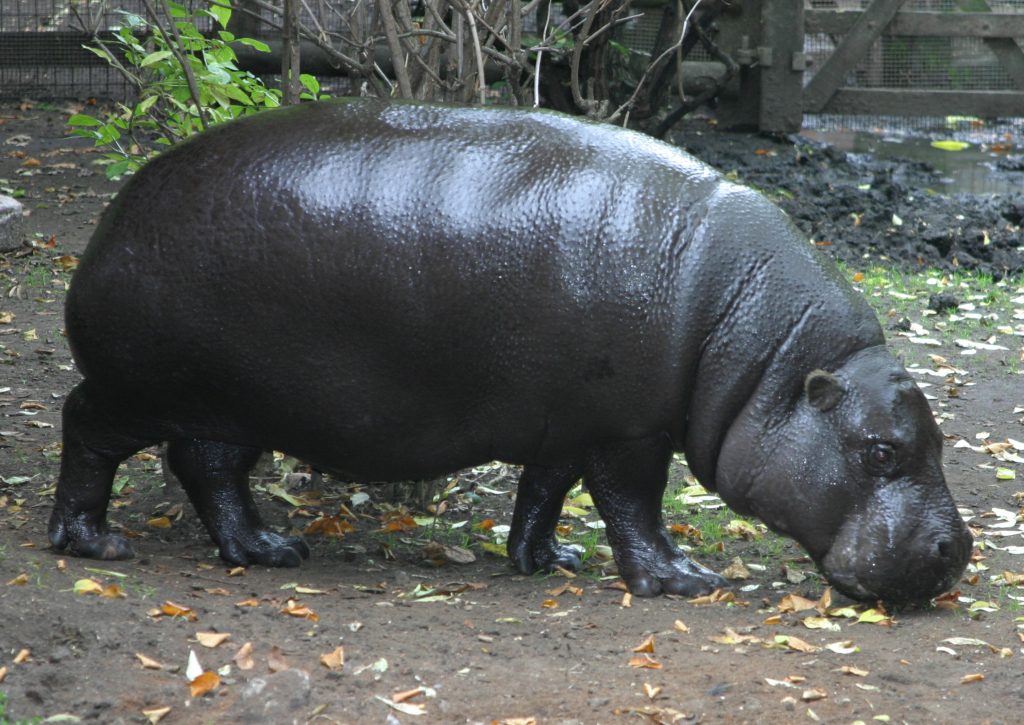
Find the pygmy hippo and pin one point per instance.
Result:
(399, 290)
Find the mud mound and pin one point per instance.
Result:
(868, 210)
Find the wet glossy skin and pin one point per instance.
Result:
(399, 291)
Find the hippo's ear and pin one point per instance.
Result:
(824, 390)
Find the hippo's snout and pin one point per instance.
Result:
(872, 561)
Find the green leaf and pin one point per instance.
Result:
(100, 52)
(221, 13)
(310, 82)
(950, 145)
(81, 119)
(155, 58)
(255, 44)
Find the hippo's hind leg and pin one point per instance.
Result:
(531, 541)
(627, 481)
(216, 478)
(96, 439)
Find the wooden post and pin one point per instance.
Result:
(780, 57)
(290, 56)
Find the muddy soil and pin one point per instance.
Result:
(110, 641)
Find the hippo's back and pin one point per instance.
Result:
(395, 267)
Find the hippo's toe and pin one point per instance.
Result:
(266, 549)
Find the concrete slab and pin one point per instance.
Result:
(10, 222)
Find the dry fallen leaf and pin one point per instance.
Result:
(680, 626)
(736, 570)
(651, 692)
(795, 643)
(248, 603)
(851, 670)
(206, 682)
(294, 609)
(333, 660)
(3, 673)
(646, 646)
(212, 639)
(796, 603)
(148, 662)
(276, 661)
(968, 679)
(156, 714)
(22, 656)
(236, 571)
(243, 657)
(644, 661)
(18, 581)
(731, 636)
(549, 604)
(159, 522)
(627, 600)
(815, 693)
(176, 610)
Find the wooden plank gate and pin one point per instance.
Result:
(774, 41)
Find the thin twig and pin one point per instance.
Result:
(657, 61)
(395, 46)
(177, 49)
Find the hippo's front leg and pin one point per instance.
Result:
(627, 481)
(539, 498)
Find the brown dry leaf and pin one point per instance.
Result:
(156, 714)
(815, 693)
(276, 661)
(248, 603)
(332, 527)
(851, 670)
(549, 604)
(795, 643)
(773, 619)
(22, 656)
(651, 692)
(742, 530)
(796, 603)
(627, 600)
(1009, 576)
(243, 657)
(148, 662)
(219, 591)
(731, 636)
(176, 610)
(18, 581)
(212, 639)
(693, 534)
(397, 522)
(237, 571)
(206, 682)
(3, 673)
(644, 661)
(680, 626)
(646, 646)
(824, 602)
(113, 591)
(974, 677)
(294, 609)
(736, 570)
(87, 586)
(333, 660)
(31, 162)
(716, 597)
(160, 522)
(6, 318)
(406, 694)
(67, 262)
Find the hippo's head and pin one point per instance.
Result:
(853, 472)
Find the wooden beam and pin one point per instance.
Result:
(782, 78)
(1010, 56)
(948, 25)
(906, 102)
(852, 48)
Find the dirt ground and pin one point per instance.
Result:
(474, 642)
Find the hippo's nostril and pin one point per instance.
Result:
(946, 549)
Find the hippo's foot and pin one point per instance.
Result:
(264, 548)
(545, 555)
(85, 539)
(666, 569)
(531, 541)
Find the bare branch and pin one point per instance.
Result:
(177, 48)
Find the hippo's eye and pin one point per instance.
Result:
(880, 458)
